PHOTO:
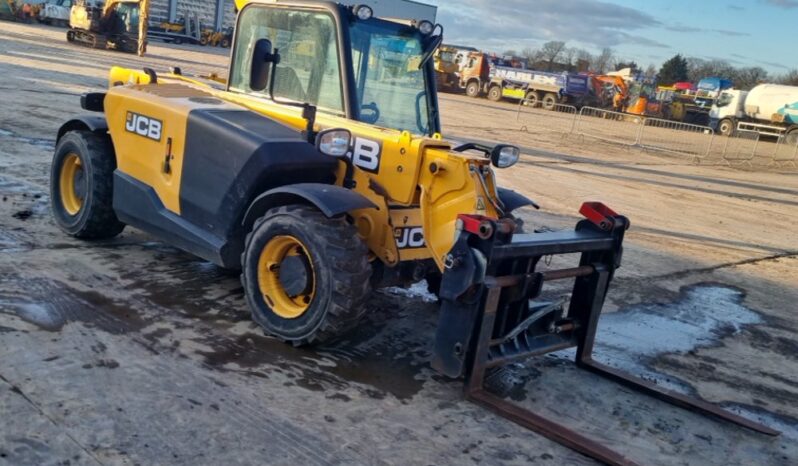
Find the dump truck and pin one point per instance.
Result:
(768, 109)
(114, 25)
(483, 75)
(319, 172)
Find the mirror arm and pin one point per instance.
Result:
(308, 110)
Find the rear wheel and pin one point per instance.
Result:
(472, 89)
(495, 93)
(549, 101)
(305, 276)
(726, 127)
(225, 43)
(81, 186)
(532, 98)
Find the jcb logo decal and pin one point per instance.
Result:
(409, 237)
(144, 126)
(366, 154)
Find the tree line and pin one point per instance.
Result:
(556, 56)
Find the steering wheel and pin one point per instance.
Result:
(421, 127)
(373, 117)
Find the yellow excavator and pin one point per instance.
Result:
(446, 68)
(118, 25)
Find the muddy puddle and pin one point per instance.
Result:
(702, 315)
(39, 142)
(49, 306)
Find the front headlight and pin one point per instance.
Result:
(504, 156)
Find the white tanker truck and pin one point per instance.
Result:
(768, 109)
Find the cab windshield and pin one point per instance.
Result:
(391, 90)
(724, 99)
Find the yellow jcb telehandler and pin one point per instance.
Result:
(319, 171)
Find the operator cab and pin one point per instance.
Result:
(341, 60)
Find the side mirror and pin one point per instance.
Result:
(504, 156)
(334, 142)
(263, 62)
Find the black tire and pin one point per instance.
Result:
(472, 89)
(95, 217)
(726, 127)
(532, 99)
(792, 137)
(70, 36)
(495, 93)
(225, 43)
(177, 41)
(549, 101)
(339, 265)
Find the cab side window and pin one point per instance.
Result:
(308, 46)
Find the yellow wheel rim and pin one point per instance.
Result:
(71, 184)
(272, 257)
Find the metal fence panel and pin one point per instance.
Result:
(609, 126)
(534, 118)
(741, 148)
(785, 153)
(676, 137)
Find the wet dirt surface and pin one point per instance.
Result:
(129, 351)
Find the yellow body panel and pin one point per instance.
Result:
(142, 156)
(405, 180)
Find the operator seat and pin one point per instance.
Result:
(287, 84)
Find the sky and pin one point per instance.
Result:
(742, 32)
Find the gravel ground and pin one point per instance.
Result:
(131, 352)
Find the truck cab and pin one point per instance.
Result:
(726, 110)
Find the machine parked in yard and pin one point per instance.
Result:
(709, 89)
(114, 25)
(486, 75)
(186, 30)
(318, 170)
(446, 68)
(768, 109)
(55, 12)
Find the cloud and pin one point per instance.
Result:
(691, 29)
(519, 23)
(773, 64)
(786, 4)
(680, 28)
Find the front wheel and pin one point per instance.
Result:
(81, 186)
(726, 127)
(792, 137)
(472, 89)
(305, 276)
